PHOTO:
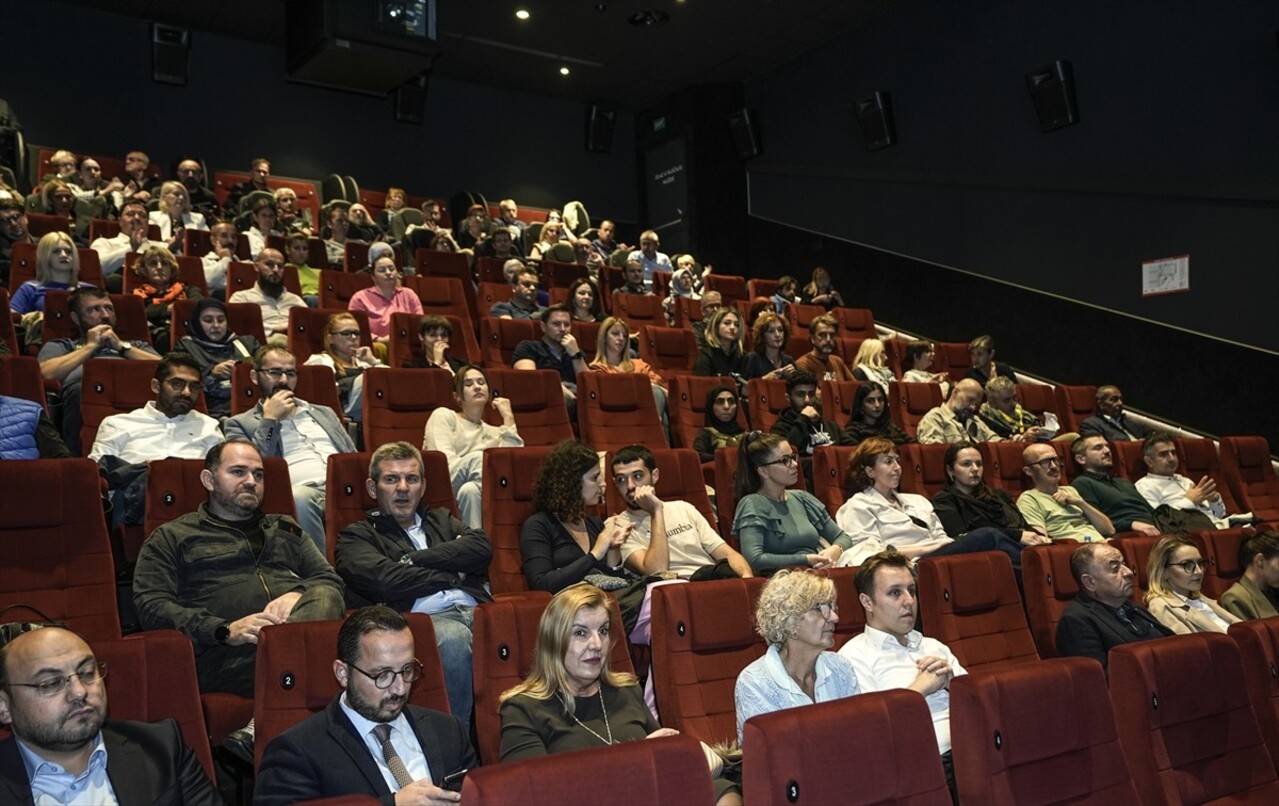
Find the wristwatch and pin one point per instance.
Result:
(575, 357)
(222, 633)
(125, 347)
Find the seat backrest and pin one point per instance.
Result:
(307, 333)
(20, 376)
(397, 403)
(537, 402)
(1039, 732)
(355, 256)
(152, 677)
(500, 337)
(1250, 475)
(1258, 642)
(1221, 550)
(852, 616)
(406, 345)
(1129, 461)
(686, 404)
(1045, 573)
(670, 351)
(561, 275)
(768, 399)
(679, 479)
(911, 401)
(1074, 405)
(294, 676)
(1197, 458)
(615, 410)
(923, 468)
(347, 498)
(730, 286)
(687, 311)
(857, 323)
(441, 295)
(315, 385)
(130, 317)
(830, 475)
(801, 317)
(670, 770)
(506, 500)
(241, 275)
(1186, 722)
(885, 736)
(115, 387)
(1004, 466)
(837, 400)
(338, 287)
(57, 556)
(970, 603)
(174, 489)
(761, 287)
(489, 294)
(952, 358)
(1038, 399)
(503, 639)
(703, 636)
(639, 309)
(244, 319)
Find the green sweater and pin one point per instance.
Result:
(1117, 498)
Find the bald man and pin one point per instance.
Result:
(955, 422)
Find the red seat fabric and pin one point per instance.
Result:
(1038, 399)
(442, 295)
(686, 404)
(114, 387)
(1129, 460)
(952, 357)
(615, 410)
(1221, 550)
(338, 287)
(687, 311)
(671, 771)
(490, 293)
(1004, 467)
(1186, 722)
(730, 286)
(857, 323)
(174, 489)
(1258, 643)
(405, 345)
(852, 616)
(909, 403)
(57, 555)
(315, 385)
(703, 636)
(801, 317)
(970, 603)
(500, 337)
(1037, 733)
(1251, 476)
(537, 402)
(670, 351)
(397, 403)
(923, 468)
(638, 310)
(430, 263)
(506, 500)
(561, 275)
(308, 330)
(874, 748)
(761, 287)
(837, 401)
(1045, 573)
(768, 399)
(20, 376)
(830, 476)
(1074, 405)
(294, 676)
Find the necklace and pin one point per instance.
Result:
(608, 728)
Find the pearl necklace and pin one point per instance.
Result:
(608, 728)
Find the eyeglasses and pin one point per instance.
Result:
(346, 334)
(277, 374)
(177, 385)
(1051, 461)
(12, 219)
(788, 460)
(825, 609)
(1190, 566)
(54, 686)
(386, 677)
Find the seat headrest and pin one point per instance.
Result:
(1253, 452)
(722, 616)
(979, 591)
(619, 397)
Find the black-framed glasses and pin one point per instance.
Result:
(1190, 566)
(386, 677)
(788, 460)
(1051, 461)
(277, 374)
(347, 334)
(55, 685)
(825, 609)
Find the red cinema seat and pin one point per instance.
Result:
(1074, 405)
(857, 323)
(801, 317)
(1186, 722)
(1006, 467)
(952, 357)
(561, 275)
(687, 311)
(338, 287)
(488, 269)
(1037, 733)
(294, 677)
(20, 377)
(1246, 463)
(405, 345)
(500, 337)
(970, 603)
(768, 399)
(1221, 550)
(315, 385)
(308, 330)
(441, 295)
(1197, 458)
(617, 410)
(1045, 574)
(837, 401)
(882, 741)
(1038, 399)
(244, 319)
(1258, 643)
(686, 404)
(507, 501)
(730, 286)
(830, 476)
(923, 468)
(909, 402)
(489, 294)
(852, 616)
(1129, 460)
(670, 351)
(537, 401)
(761, 287)
(115, 387)
(397, 403)
(638, 310)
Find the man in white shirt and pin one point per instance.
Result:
(1163, 485)
(132, 238)
(890, 653)
(648, 256)
(217, 262)
(270, 295)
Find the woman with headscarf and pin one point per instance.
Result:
(217, 350)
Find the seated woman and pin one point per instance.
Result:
(683, 284)
(871, 418)
(819, 291)
(348, 359)
(572, 700)
(796, 615)
(723, 353)
(967, 503)
(1175, 575)
(217, 350)
(907, 522)
(57, 269)
(263, 217)
(919, 357)
(159, 288)
(443, 241)
(59, 199)
(549, 237)
(175, 215)
(1256, 593)
(871, 364)
(463, 436)
(396, 200)
(385, 298)
(768, 360)
(722, 429)
(474, 228)
(613, 354)
(584, 301)
(561, 545)
(778, 527)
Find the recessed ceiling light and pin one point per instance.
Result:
(564, 70)
(522, 14)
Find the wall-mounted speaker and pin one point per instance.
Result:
(745, 129)
(875, 120)
(1052, 88)
(599, 128)
(410, 100)
(170, 54)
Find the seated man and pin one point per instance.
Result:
(63, 749)
(955, 422)
(298, 245)
(1116, 497)
(224, 240)
(1103, 614)
(14, 228)
(604, 245)
(501, 245)
(26, 432)
(259, 173)
(415, 558)
(137, 179)
(435, 332)
(712, 301)
(1055, 508)
(667, 536)
(1111, 421)
(283, 424)
(985, 368)
(1163, 485)
(203, 200)
(650, 259)
(132, 238)
(222, 573)
(93, 314)
(419, 236)
(368, 741)
(1006, 417)
(1256, 593)
(890, 653)
(802, 423)
(633, 272)
(557, 350)
(821, 361)
(289, 219)
(523, 301)
(339, 222)
(271, 296)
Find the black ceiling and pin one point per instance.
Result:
(610, 60)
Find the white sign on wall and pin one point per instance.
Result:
(1167, 276)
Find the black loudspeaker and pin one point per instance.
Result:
(875, 119)
(410, 101)
(745, 131)
(599, 128)
(1052, 88)
(170, 54)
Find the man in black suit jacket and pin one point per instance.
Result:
(53, 697)
(1111, 421)
(1102, 615)
(338, 751)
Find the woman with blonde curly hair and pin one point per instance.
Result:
(1175, 576)
(796, 615)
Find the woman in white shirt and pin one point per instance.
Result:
(1175, 574)
(463, 436)
(175, 215)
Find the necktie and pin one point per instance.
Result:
(393, 760)
(1125, 614)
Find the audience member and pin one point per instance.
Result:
(1111, 421)
(385, 298)
(801, 423)
(870, 365)
(500, 245)
(985, 367)
(175, 215)
(1256, 593)
(650, 259)
(819, 291)
(224, 240)
(584, 301)
(203, 200)
(216, 350)
(298, 247)
(417, 558)
(132, 237)
(291, 220)
(395, 202)
(769, 359)
(724, 351)
(712, 301)
(435, 332)
(722, 429)
(59, 199)
(63, 749)
(1174, 578)
(523, 302)
(1117, 497)
(269, 294)
(633, 274)
(785, 294)
(955, 422)
(871, 418)
(90, 186)
(920, 354)
(159, 288)
(137, 179)
(263, 217)
(683, 284)
(1163, 486)
(613, 356)
(339, 232)
(420, 235)
(348, 359)
(1006, 417)
(1102, 615)
(13, 229)
(821, 362)
(967, 503)
(474, 228)
(604, 245)
(26, 432)
(1057, 508)
(259, 173)
(363, 227)
(368, 741)
(557, 350)
(57, 269)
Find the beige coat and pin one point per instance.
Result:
(1182, 619)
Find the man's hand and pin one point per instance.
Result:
(138, 234)
(101, 336)
(1067, 498)
(425, 793)
(279, 406)
(810, 412)
(1145, 528)
(223, 369)
(612, 537)
(439, 352)
(646, 499)
(281, 606)
(569, 394)
(1030, 537)
(1205, 490)
(570, 344)
(245, 630)
(934, 675)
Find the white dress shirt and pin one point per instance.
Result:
(1171, 490)
(306, 446)
(403, 739)
(147, 433)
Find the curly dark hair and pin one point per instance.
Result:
(558, 491)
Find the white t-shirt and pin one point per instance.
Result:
(690, 538)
